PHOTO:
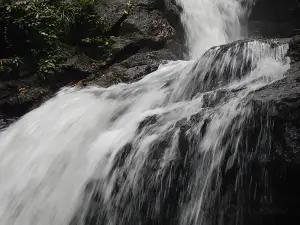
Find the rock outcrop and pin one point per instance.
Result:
(141, 35)
(276, 198)
(144, 34)
(259, 187)
(262, 187)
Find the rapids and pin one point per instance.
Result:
(148, 152)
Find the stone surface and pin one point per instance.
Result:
(262, 188)
(269, 188)
(134, 67)
(140, 35)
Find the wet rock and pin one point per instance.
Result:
(266, 191)
(294, 49)
(253, 186)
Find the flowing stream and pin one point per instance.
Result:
(148, 152)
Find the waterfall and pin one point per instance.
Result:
(213, 22)
(149, 152)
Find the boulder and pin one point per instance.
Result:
(134, 67)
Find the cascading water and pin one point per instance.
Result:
(149, 152)
(213, 22)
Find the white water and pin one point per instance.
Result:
(212, 22)
(49, 155)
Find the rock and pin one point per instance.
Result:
(133, 38)
(294, 49)
(263, 178)
(149, 58)
(80, 64)
(137, 46)
(282, 10)
(23, 94)
(16, 103)
(134, 67)
(155, 27)
(282, 20)
(113, 13)
(257, 187)
(153, 32)
(280, 104)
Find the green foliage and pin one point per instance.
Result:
(32, 26)
(38, 30)
(47, 67)
(7, 65)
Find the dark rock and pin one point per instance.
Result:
(134, 67)
(267, 188)
(139, 45)
(125, 47)
(155, 27)
(149, 58)
(21, 95)
(112, 13)
(282, 10)
(294, 49)
(282, 19)
(146, 122)
(134, 38)
(80, 64)
(17, 103)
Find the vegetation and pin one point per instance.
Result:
(36, 33)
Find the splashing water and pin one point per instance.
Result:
(140, 153)
(212, 22)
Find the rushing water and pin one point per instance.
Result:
(213, 22)
(149, 152)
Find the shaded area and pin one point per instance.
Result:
(275, 18)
